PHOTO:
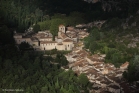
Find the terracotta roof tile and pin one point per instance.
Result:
(125, 64)
(67, 40)
(63, 35)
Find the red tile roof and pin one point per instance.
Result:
(125, 64)
(67, 40)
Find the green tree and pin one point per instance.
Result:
(36, 28)
(116, 58)
(45, 25)
(8, 64)
(44, 89)
(57, 86)
(87, 42)
(58, 16)
(136, 64)
(131, 73)
(54, 28)
(83, 80)
(102, 35)
(24, 45)
(38, 14)
(37, 63)
(95, 34)
(93, 47)
(1, 62)
(5, 35)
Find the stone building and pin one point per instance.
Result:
(43, 40)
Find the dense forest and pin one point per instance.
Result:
(19, 14)
(32, 72)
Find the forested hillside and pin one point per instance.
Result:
(19, 14)
(128, 6)
(32, 72)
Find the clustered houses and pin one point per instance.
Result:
(43, 40)
(104, 76)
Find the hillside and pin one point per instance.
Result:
(31, 72)
(119, 40)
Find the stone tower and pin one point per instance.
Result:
(62, 28)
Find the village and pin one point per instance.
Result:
(43, 40)
(69, 46)
(106, 78)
